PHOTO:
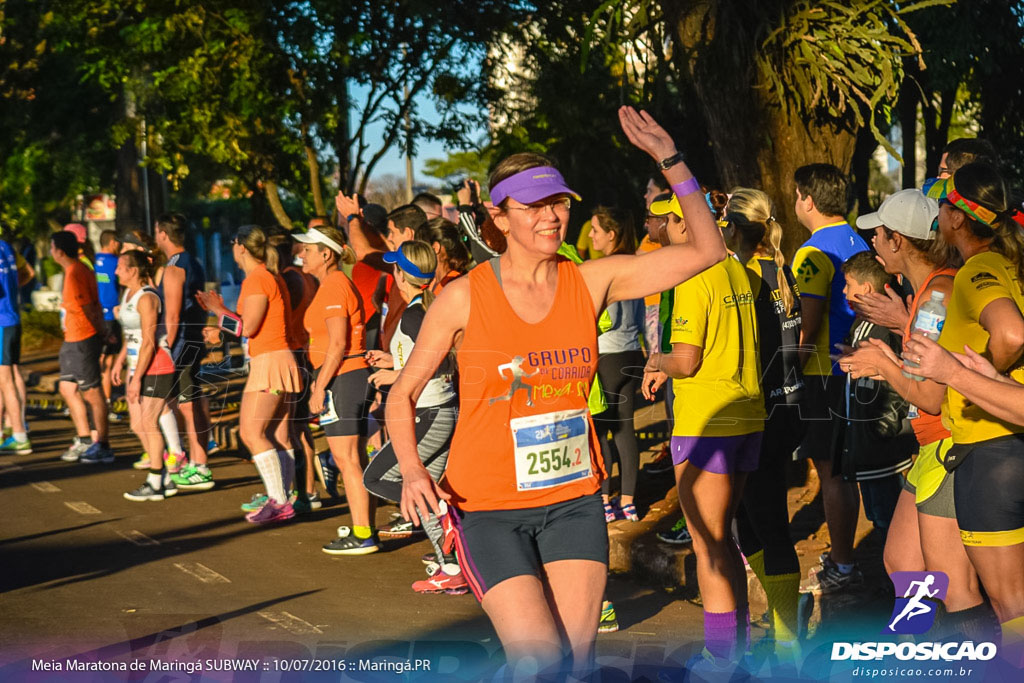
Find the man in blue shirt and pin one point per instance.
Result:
(14, 273)
(110, 298)
(822, 199)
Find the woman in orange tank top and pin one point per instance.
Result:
(923, 534)
(525, 467)
(263, 304)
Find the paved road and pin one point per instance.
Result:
(89, 575)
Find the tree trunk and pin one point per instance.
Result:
(909, 98)
(755, 143)
(274, 200)
(860, 168)
(314, 181)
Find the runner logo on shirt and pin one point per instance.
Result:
(516, 369)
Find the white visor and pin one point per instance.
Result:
(314, 236)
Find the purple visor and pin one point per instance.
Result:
(531, 186)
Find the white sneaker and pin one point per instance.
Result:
(75, 451)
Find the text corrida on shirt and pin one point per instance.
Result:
(539, 375)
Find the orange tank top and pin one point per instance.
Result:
(927, 428)
(524, 437)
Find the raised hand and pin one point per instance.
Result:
(644, 132)
(347, 206)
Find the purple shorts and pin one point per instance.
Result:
(718, 454)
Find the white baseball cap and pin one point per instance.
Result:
(908, 212)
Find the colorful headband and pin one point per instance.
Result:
(946, 190)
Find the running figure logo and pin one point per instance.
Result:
(516, 368)
(914, 612)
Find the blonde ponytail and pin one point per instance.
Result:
(759, 229)
(421, 255)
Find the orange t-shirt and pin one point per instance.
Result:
(79, 291)
(927, 428)
(365, 278)
(273, 332)
(337, 298)
(646, 245)
(298, 338)
(515, 445)
(440, 284)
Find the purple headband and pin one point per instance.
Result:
(531, 185)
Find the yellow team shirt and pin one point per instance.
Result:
(983, 279)
(715, 311)
(814, 276)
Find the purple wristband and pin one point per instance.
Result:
(686, 187)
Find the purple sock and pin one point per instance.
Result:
(720, 633)
(742, 628)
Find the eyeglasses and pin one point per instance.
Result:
(655, 220)
(538, 209)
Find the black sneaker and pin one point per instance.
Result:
(348, 544)
(96, 453)
(327, 473)
(831, 580)
(148, 493)
(677, 535)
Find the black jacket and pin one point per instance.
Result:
(874, 438)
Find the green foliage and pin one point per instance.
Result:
(39, 328)
(56, 141)
(833, 60)
(469, 164)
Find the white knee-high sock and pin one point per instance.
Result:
(269, 467)
(287, 458)
(172, 437)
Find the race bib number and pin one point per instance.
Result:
(330, 413)
(551, 449)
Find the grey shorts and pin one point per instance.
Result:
(495, 545)
(80, 362)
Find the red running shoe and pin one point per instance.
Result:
(441, 581)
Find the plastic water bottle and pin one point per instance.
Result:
(929, 321)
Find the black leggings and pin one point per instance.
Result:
(762, 519)
(620, 375)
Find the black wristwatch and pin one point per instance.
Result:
(669, 162)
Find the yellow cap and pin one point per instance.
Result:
(665, 207)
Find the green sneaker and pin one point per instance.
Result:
(258, 500)
(9, 445)
(191, 479)
(608, 622)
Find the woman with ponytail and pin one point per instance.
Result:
(763, 515)
(262, 318)
(984, 415)
(336, 326)
(436, 409)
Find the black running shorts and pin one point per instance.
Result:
(495, 545)
(80, 362)
(989, 493)
(350, 392)
(10, 345)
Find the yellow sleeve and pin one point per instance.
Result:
(814, 272)
(983, 286)
(690, 308)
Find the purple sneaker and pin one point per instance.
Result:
(271, 512)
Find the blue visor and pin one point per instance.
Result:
(405, 264)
